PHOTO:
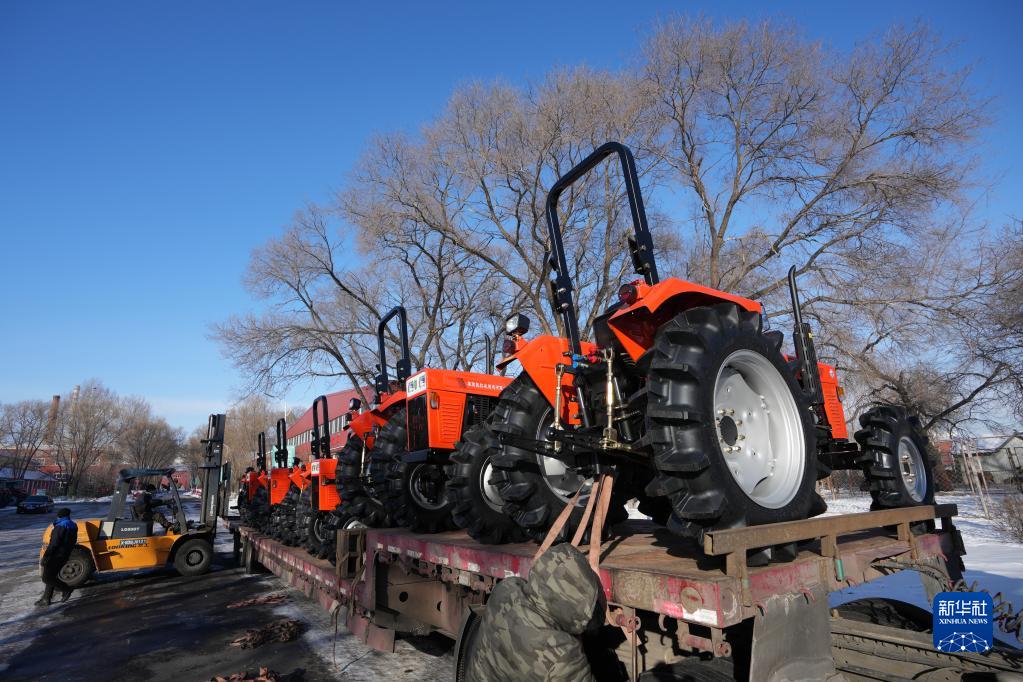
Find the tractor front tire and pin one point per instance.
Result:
(193, 557)
(731, 431)
(351, 486)
(417, 497)
(535, 489)
(476, 505)
(78, 568)
(894, 458)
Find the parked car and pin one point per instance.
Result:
(36, 504)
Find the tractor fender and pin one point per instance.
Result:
(539, 357)
(636, 323)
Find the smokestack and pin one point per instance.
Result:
(51, 421)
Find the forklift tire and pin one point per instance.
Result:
(476, 505)
(531, 496)
(894, 458)
(416, 497)
(78, 568)
(355, 499)
(389, 446)
(710, 370)
(193, 557)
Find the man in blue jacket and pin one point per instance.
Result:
(63, 539)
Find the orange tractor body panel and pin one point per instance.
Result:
(299, 476)
(539, 358)
(253, 481)
(446, 393)
(363, 423)
(323, 473)
(280, 480)
(636, 324)
(833, 409)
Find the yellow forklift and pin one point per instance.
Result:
(121, 541)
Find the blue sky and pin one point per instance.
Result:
(146, 148)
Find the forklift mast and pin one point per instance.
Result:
(211, 470)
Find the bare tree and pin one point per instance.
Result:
(245, 419)
(145, 440)
(87, 431)
(23, 430)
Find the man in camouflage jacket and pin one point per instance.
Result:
(532, 630)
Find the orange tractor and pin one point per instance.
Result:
(685, 399)
(409, 436)
(253, 494)
(315, 518)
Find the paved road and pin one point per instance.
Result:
(156, 625)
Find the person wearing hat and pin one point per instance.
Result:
(63, 539)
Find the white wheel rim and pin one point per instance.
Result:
(353, 524)
(490, 494)
(911, 468)
(562, 481)
(759, 429)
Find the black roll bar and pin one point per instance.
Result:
(281, 450)
(641, 245)
(320, 445)
(403, 367)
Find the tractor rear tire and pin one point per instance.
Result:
(259, 509)
(287, 509)
(417, 497)
(894, 458)
(351, 486)
(78, 568)
(476, 505)
(193, 557)
(716, 381)
(526, 480)
(389, 446)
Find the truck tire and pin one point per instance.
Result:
(894, 458)
(351, 486)
(389, 446)
(78, 568)
(535, 488)
(193, 557)
(716, 381)
(476, 505)
(416, 497)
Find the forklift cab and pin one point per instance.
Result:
(121, 520)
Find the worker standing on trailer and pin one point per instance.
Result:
(63, 539)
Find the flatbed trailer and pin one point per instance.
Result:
(676, 607)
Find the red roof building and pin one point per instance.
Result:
(300, 432)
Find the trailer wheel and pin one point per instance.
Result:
(730, 430)
(894, 458)
(389, 446)
(193, 557)
(351, 486)
(476, 504)
(78, 568)
(536, 488)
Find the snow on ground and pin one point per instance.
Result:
(82, 500)
(992, 559)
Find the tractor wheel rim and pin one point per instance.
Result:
(352, 524)
(562, 480)
(759, 429)
(419, 488)
(490, 494)
(319, 526)
(911, 469)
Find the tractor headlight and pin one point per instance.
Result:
(517, 324)
(354, 404)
